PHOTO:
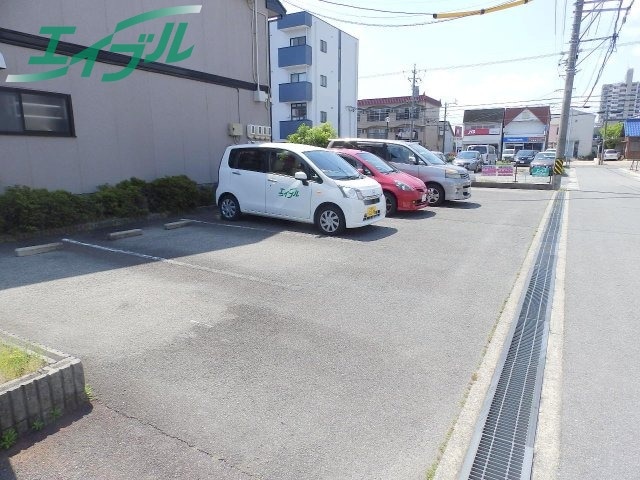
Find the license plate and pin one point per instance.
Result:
(371, 212)
(424, 197)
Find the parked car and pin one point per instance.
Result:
(524, 157)
(508, 154)
(401, 190)
(543, 159)
(443, 181)
(611, 154)
(297, 182)
(440, 155)
(471, 160)
(488, 153)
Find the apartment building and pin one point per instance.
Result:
(163, 90)
(402, 118)
(314, 75)
(619, 101)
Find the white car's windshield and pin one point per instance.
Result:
(427, 154)
(468, 155)
(332, 165)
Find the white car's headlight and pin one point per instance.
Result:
(450, 173)
(403, 186)
(350, 192)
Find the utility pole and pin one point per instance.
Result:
(568, 84)
(444, 126)
(413, 100)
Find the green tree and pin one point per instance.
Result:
(317, 136)
(611, 135)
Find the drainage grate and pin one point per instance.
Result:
(502, 447)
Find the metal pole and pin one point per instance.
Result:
(568, 85)
(604, 136)
(413, 101)
(444, 126)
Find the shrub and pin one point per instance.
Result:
(23, 209)
(125, 199)
(172, 194)
(206, 195)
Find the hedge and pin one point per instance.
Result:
(24, 209)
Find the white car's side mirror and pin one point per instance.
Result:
(300, 176)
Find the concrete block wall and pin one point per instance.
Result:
(52, 391)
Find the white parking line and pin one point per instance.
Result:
(284, 232)
(144, 256)
(202, 323)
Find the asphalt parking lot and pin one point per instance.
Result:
(260, 349)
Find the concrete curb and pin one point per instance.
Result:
(125, 234)
(178, 224)
(36, 249)
(55, 389)
(512, 186)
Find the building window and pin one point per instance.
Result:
(28, 112)
(407, 113)
(295, 41)
(377, 133)
(298, 111)
(323, 80)
(323, 117)
(298, 77)
(323, 46)
(378, 115)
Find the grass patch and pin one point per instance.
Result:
(15, 362)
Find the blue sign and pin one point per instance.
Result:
(523, 139)
(540, 171)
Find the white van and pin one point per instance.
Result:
(297, 182)
(487, 152)
(444, 181)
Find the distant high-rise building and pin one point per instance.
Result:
(620, 100)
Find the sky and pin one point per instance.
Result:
(438, 50)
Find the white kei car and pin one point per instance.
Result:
(297, 182)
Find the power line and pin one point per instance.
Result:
(483, 64)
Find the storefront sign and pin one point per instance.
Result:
(523, 139)
(489, 170)
(482, 131)
(505, 170)
(540, 171)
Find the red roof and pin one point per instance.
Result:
(368, 102)
(542, 113)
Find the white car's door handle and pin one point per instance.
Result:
(236, 173)
(272, 180)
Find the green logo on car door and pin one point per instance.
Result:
(292, 192)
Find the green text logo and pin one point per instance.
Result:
(293, 192)
(135, 50)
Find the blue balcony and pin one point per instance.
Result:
(295, 92)
(288, 127)
(295, 20)
(294, 56)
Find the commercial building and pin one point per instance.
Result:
(314, 74)
(482, 127)
(105, 116)
(579, 133)
(526, 128)
(631, 134)
(396, 117)
(619, 101)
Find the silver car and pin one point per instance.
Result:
(471, 160)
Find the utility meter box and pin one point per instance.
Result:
(235, 129)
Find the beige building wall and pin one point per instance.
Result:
(148, 124)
